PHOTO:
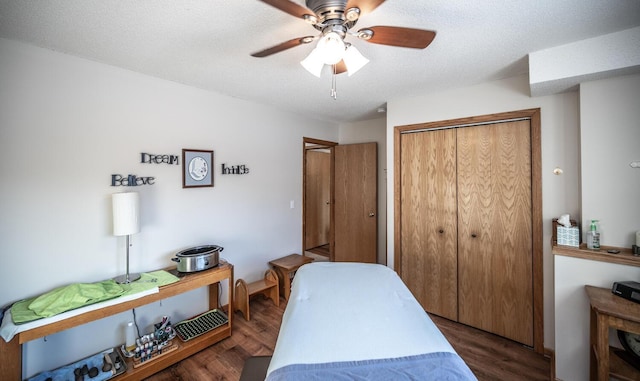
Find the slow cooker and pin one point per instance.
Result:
(198, 258)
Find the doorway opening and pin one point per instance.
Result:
(340, 201)
(317, 198)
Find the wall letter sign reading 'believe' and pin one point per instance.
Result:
(131, 181)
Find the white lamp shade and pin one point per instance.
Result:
(331, 48)
(126, 213)
(354, 60)
(313, 63)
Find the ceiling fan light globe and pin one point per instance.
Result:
(354, 60)
(331, 48)
(313, 63)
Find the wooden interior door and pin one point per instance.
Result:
(495, 281)
(317, 198)
(355, 215)
(429, 220)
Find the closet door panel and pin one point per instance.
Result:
(495, 282)
(429, 220)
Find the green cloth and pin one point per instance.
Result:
(75, 295)
(150, 280)
(78, 295)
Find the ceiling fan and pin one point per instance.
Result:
(334, 19)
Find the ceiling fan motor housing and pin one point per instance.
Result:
(331, 17)
(330, 12)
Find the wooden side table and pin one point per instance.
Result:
(11, 352)
(610, 311)
(285, 268)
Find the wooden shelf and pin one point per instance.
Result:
(620, 369)
(608, 311)
(185, 350)
(625, 257)
(12, 370)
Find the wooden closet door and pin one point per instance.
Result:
(429, 234)
(495, 282)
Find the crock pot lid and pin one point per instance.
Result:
(199, 250)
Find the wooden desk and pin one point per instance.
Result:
(285, 268)
(11, 352)
(610, 311)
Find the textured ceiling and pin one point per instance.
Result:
(207, 44)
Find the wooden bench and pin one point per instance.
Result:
(268, 287)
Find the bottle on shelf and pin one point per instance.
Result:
(593, 236)
(130, 340)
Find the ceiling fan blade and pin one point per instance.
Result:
(365, 6)
(283, 46)
(340, 67)
(294, 9)
(398, 36)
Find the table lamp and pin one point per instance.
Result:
(126, 221)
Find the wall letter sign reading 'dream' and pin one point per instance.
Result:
(150, 158)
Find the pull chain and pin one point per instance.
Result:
(334, 92)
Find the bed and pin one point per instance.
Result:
(357, 321)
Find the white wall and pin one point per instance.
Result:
(365, 132)
(610, 137)
(559, 123)
(572, 310)
(68, 124)
(610, 141)
(563, 67)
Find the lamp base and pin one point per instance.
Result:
(122, 279)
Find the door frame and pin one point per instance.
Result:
(312, 144)
(536, 199)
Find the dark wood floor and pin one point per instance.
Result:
(321, 250)
(490, 357)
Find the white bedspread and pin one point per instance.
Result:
(350, 312)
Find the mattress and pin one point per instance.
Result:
(360, 321)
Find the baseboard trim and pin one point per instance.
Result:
(551, 354)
